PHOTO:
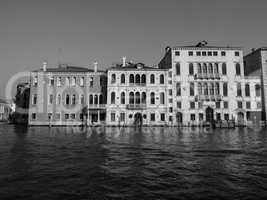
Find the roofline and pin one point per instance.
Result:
(206, 48)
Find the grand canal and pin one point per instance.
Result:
(127, 163)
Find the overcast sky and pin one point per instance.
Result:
(80, 32)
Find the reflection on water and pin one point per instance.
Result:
(128, 163)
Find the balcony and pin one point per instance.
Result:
(138, 84)
(97, 106)
(202, 97)
(136, 106)
(207, 76)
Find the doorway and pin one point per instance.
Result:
(209, 114)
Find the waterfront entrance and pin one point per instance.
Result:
(209, 114)
(179, 118)
(138, 119)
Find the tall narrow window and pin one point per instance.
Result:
(131, 98)
(211, 87)
(152, 78)
(216, 68)
(67, 99)
(225, 89)
(247, 90)
(237, 68)
(206, 91)
(143, 79)
(58, 99)
(192, 89)
(91, 99)
(162, 98)
(96, 100)
(91, 82)
(258, 90)
(161, 79)
(131, 79)
(101, 101)
(123, 98)
(113, 78)
(204, 68)
(67, 81)
(137, 78)
(199, 70)
(58, 81)
(143, 98)
(137, 98)
(50, 99)
(82, 99)
(112, 97)
(34, 99)
(224, 70)
(82, 81)
(178, 70)
(238, 89)
(152, 98)
(123, 79)
(178, 89)
(210, 68)
(73, 99)
(217, 88)
(191, 69)
(199, 88)
(73, 81)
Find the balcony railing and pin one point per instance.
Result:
(207, 76)
(136, 106)
(138, 84)
(215, 97)
(96, 106)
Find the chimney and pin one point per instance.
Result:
(123, 61)
(44, 66)
(95, 66)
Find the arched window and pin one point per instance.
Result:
(225, 89)
(199, 89)
(113, 78)
(216, 68)
(211, 89)
(101, 99)
(143, 98)
(178, 89)
(67, 99)
(247, 90)
(73, 100)
(137, 78)
(131, 98)
(143, 79)
(206, 89)
(67, 81)
(237, 69)
(217, 88)
(73, 81)
(123, 79)
(205, 68)
(178, 70)
(199, 70)
(82, 99)
(91, 99)
(152, 98)
(96, 100)
(137, 98)
(224, 70)
(161, 79)
(192, 89)
(58, 99)
(123, 98)
(131, 78)
(258, 90)
(82, 81)
(162, 98)
(191, 69)
(152, 78)
(210, 68)
(239, 90)
(112, 97)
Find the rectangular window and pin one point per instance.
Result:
(67, 116)
(162, 117)
(177, 53)
(218, 116)
(58, 81)
(226, 117)
(50, 99)
(170, 74)
(33, 116)
(193, 117)
(223, 53)
(170, 109)
(204, 53)
(34, 99)
(192, 105)
(170, 92)
(72, 116)
(192, 89)
(258, 105)
(178, 89)
(218, 104)
(49, 115)
(170, 100)
(112, 116)
(190, 53)
(248, 105)
(198, 53)
(209, 53)
(170, 82)
(170, 118)
(200, 105)
(179, 104)
(201, 116)
(82, 81)
(91, 82)
(239, 104)
(51, 82)
(35, 81)
(225, 104)
(236, 53)
(122, 117)
(81, 116)
(152, 117)
(215, 53)
(239, 90)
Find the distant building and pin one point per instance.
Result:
(255, 64)
(5, 110)
(138, 94)
(67, 95)
(209, 84)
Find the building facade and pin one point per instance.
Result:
(67, 95)
(137, 94)
(209, 84)
(255, 64)
(5, 110)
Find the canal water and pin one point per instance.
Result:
(127, 163)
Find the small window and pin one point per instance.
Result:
(170, 109)
(123, 79)
(237, 68)
(223, 53)
(226, 117)
(192, 105)
(113, 78)
(162, 117)
(170, 92)
(91, 82)
(50, 99)
(113, 116)
(161, 78)
(72, 116)
(177, 53)
(112, 97)
(215, 53)
(236, 53)
(152, 79)
(204, 53)
(178, 70)
(224, 70)
(225, 104)
(122, 117)
(190, 53)
(248, 105)
(67, 116)
(198, 53)
(192, 117)
(218, 104)
(258, 105)
(178, 89)
(179, 104)
(170, 74)
(152, 117)
(247, 90)
(209, 53)
(239, 104)
(191, 69)
(33, 116)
